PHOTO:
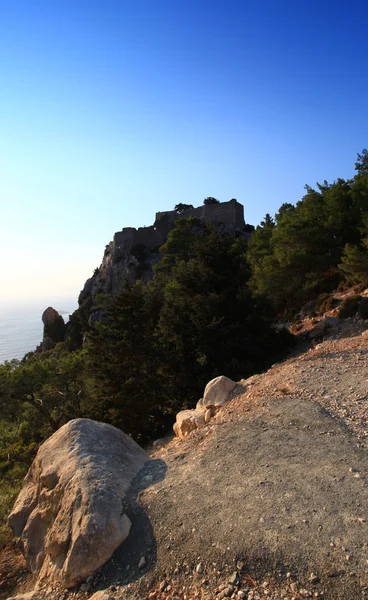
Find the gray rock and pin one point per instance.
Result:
(53, 325)
(69, 516)
(234, 578)
(218, 391)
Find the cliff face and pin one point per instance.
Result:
(120, 262)
(133, 252)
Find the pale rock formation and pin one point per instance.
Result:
(188, 420)
(69, 516)
(210, 412)
(218, 391)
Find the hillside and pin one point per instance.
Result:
(273, 488)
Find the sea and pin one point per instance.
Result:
(21, 326)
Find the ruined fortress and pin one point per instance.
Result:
(121, 263)
(229, 213)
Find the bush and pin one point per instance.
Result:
(322, 298)
(328, 304)
(343, 286)
(363, 308)
(349, 307)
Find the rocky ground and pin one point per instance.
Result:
(269, 500)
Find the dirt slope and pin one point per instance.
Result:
(275, 488)
(278, 481)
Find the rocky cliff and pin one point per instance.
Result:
(133, 252)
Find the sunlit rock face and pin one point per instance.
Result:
(69, 516)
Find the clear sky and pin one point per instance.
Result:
(113, 109)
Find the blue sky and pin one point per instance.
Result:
(112, 110)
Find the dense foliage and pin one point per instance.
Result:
(136, 358)
(160, 344)
(308, 248)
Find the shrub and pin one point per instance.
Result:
(363, 308)
(349, 307)
(343, 286)
(322, 298)
(328, 304)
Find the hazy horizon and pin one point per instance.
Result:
(112, 111)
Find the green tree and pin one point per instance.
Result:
(182, 207)
(122, 363)
(209, 323)
(210, 200)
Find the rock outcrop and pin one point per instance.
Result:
(132, 253)
(188, 420)
(53, 328)
(69, 516)
(216, 393)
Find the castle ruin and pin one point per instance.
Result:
(229, 213)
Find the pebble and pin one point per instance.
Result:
(234, 578)
(228, 591)
(199, 568)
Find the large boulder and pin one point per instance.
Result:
(218, 391)
(69, 516)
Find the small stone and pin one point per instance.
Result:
(228, 591)
(234, 578)
(241, 594)
(199, 568)
(142, 563)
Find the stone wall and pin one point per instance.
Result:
(229, 213)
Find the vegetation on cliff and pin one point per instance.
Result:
(135, 358)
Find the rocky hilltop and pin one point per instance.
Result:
(132, 253)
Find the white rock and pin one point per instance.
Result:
(69, 518)
(218, 391)
(188, 420)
